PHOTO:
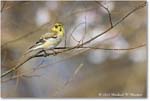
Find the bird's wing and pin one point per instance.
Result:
(49, 35)
(39, 42)
(43, 39)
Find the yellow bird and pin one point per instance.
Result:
(49, 40)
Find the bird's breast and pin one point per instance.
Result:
(52, 42)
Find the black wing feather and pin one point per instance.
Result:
(41, 41)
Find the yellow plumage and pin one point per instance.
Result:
(51, 39)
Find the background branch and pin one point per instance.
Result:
(109, 14)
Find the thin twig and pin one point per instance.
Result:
(66, 83)
(71, 35)
(74, 74)
(85, 31)
(105, 48)
(109, 14)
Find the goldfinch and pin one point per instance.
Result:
(49, 40)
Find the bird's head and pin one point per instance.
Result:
(58, 28)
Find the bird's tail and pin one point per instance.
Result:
(32, 49)
(28, 51)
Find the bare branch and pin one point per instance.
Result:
(109, 14)
(58, 52)
(122, 19)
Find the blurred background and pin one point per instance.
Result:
(80, 73)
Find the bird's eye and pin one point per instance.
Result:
(56, 26)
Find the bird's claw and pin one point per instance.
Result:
(45, 53)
